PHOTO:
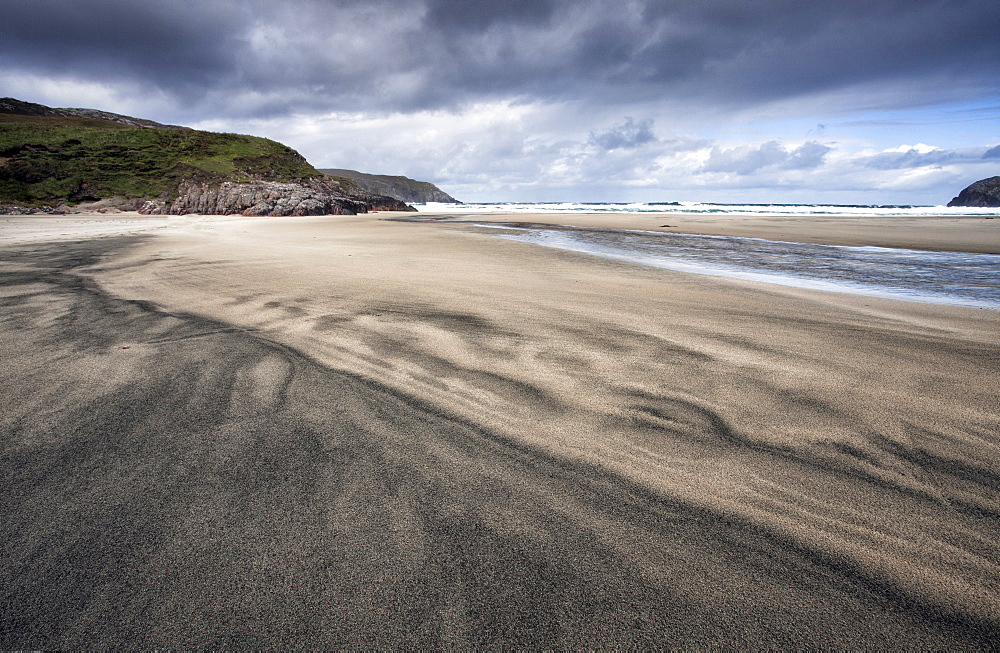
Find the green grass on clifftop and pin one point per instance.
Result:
(53, 159)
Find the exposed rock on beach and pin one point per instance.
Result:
(269, 198)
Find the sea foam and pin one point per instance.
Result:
(699, 207)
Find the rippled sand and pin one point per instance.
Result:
(342, 431)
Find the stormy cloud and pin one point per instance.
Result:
(572, 79)
(404, 55)
(629, 134)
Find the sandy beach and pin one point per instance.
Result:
(347, 431)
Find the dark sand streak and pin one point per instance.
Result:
(170, 481)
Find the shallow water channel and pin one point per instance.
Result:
(918, 275)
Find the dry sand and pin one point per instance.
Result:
(344, 431)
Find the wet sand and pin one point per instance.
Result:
(343, 431)
(935, 233)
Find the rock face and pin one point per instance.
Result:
(269, 198)
(403, 188)
(985, 192)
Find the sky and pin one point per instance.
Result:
(792, 101)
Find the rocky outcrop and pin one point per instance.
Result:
(402, 188)
(18, 209)
(985, 192)
(268, 198)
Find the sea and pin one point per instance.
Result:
(906, 274)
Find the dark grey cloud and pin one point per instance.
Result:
(251, 57)
(629, 134)
(172, 45)
(465, 15)
(787, 47)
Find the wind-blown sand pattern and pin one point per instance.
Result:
(342, 431)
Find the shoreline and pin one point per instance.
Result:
(970, 234)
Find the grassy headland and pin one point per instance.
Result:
(49, 159)
(404, 188)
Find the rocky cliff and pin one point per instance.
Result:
(403, 188)
(985, 192)
(62, 160)
(268, 198)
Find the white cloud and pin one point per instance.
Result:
(920, 148)
(748, 159)
(509, 150)
(72, 92)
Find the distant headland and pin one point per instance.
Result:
(59, 160)
(402, 188)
